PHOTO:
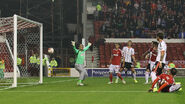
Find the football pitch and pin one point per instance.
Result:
(96, 91)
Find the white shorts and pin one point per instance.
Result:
(174, 87)
(152, 64)
(114, 68)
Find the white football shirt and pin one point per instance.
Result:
(161, 47)
(127, 53)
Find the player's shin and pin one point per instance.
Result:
(110, 76)
(134, 76)
(153, 77)
(146, 76)
(119, 75)
(126, 73)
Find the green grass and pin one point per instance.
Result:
(96, 91)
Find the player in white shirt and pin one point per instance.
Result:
(160, 60)
(129, 60)
(161, 55)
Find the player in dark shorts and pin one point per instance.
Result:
(161, 55)
(129, 59)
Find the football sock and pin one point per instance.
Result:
(146, 76)
(110, 77)
(153, 76)
(134, 75)
(119, 75)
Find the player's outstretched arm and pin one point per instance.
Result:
(87, 47)
(74, 47)
(147, 52)
(73, 43)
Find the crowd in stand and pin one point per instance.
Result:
(139, 18)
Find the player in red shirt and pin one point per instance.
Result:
(167, 83)
(115, 63)
(151, 54)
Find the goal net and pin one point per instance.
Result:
(20, 51)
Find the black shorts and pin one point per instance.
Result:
(128, 65)
(159, 70)
(166, 89)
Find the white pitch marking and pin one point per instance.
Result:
(37, 84)
(60, 81)
(77, 91)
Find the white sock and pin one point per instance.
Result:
(147, 76)
(153, 77)
(134, 75)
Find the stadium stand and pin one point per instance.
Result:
(139, 18)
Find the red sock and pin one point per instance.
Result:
(110, 77)
(119, 75)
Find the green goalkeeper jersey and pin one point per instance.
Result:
(80, 54)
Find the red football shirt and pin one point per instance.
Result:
(116, 60)
(153, 55)
(166, 78)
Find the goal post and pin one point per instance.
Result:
(20, 39)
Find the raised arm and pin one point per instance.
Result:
(74, 47)
(147, 52)
(87, 47)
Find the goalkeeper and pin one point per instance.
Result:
(79, 64)
(2, 68)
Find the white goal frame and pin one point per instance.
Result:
(15, 17)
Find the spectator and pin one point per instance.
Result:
(96, 14)
(138, 15)
(53, 63)
(171, 64)
(138, 65)
(98, 7)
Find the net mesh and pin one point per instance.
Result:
(28, 44)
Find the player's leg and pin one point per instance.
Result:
(156, 72)
(84, 72)
(111, 70)
(126, 72)
(153, 73)
(131, 67)
(134, 74)
(158, 69)
(147, 72)
(175, 87)
(1, 74)
(81, 77)
(126, 67)
(119, 74)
